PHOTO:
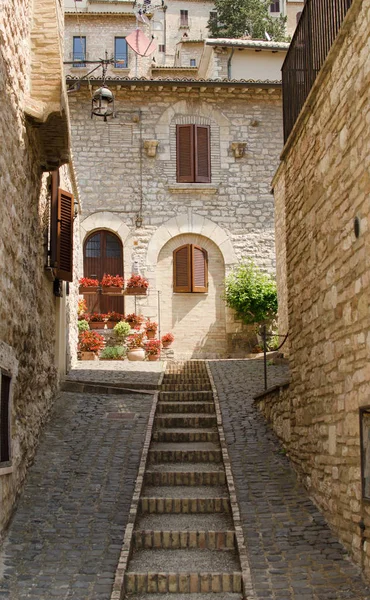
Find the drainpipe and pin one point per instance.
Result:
(165, 33)
(229, 64)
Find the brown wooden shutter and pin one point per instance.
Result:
(5, 418)
(182, 269)
(54, 217)
(64, 267)
(199, 269)
(202, 154)
(185, 153)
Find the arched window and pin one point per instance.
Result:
(190, 269)
(103, 253)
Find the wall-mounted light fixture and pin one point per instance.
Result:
(102, 103)
(138, 221)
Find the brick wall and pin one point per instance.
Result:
(323, 183)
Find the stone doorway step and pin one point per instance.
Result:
(185, 543)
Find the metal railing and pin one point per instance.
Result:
(265, 335)
(316, 31)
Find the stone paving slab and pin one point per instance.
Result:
(292, 552)
(65, 539)
(125, 372)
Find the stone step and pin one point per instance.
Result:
(184, 434)
(192, 420)
(185, 407)
(182, 582)
(201, 596)
(183, 491)
(185, 378)
(184, 452)
(185, 396)
(185, 522)
(194, 387)
(184, 505)
(158, 539)
(185, 478)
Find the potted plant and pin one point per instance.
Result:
(89, 344)
(112, 284)
(150, 329)
(167, 339)
(97, 320)
(113, 318)
(135, 346)
(113, 353)
(81, 309)
(153, 349)
(88, 286)
(135, 321)
(137, 285)
(121, 330)
(82, 325)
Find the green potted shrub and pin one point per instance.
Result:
(88, 285)
(121, 330)
(83, 325)
(113, 353)
(135, 346)
(112, 284)
(153, 349)
(137, 285)
(150, 328)
(89, 344)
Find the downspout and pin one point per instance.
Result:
(165, 32)
(229, 64)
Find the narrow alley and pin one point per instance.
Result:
(66, 536)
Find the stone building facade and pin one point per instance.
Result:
(323, 246)
(35, 136)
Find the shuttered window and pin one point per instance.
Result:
(190, 269)
(61, 230)
(193, 153)
(4, 417)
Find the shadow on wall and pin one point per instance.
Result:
(212, 345)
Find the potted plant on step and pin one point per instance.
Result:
(135, 321)
(153, 349)
(137, 285)
(88, 286)
(113, 318)
(81, 309)
(97, 320)
(150, 328)
(113, 353)
(82, 325)
(167, 339)
(135, 346)
(121, 330)
(112, 284)
(89, 344)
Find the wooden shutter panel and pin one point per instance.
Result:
(182, 269)
(64, 267)
(202, 154)
(54, 217)
(4, 418)
(185, 153)
(199, 269)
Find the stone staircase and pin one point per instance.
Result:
(184, 542)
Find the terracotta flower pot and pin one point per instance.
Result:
(87, 290)
(150, 335)
(111, 324)
(135, 291)
(97, 325)
(88, 355)
(136, 354)
(166, 344)
(153, 356)
(112, 290)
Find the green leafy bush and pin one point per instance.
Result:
(83, 325)
(251, 293)
(113, 353)
(121, 330)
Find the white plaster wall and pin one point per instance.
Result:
(249, 64)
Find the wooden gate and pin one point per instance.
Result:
(103, 253)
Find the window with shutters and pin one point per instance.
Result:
(193, 153)
(5, 440)
(61, 230)
(190, 269)
(184, 18)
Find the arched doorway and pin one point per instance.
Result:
(103, 253)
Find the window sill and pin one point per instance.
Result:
(6, 470)
(120, 70)
(191, 188)
(190, 293)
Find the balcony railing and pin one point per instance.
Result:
(316, 31)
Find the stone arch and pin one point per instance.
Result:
(190, 107)
(191, 223)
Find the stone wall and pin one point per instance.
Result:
(118, 179)
(323, 185)
(28, 308)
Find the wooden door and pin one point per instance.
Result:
(103, 253)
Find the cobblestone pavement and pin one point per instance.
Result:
(145, 374)
(66, 536)
(293, 554)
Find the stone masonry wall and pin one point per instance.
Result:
(27, 304)
(116, 176)
(324, 184)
